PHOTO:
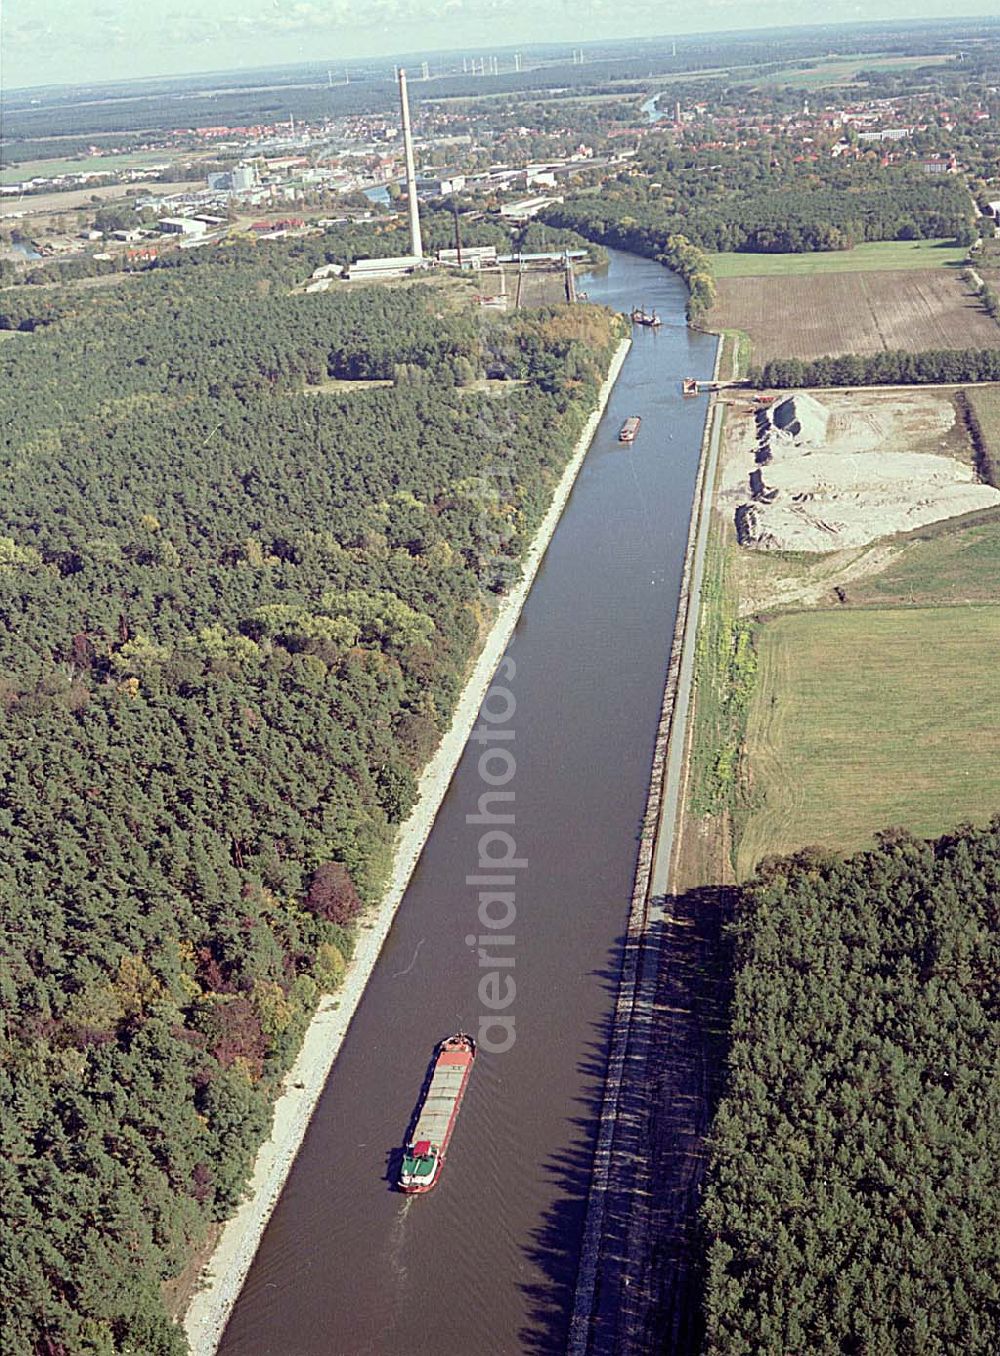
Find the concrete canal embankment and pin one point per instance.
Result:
(609, 1302)
(227, 1268)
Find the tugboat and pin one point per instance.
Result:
(640, 316)
(436, 1115)
(629, 429)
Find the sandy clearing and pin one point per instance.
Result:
(885, 466)
(765, 582)
(226, 1270)
(829, 518)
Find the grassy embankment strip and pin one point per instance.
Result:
(876, 255)
(737, 351)
(725, 667)
(866, 719)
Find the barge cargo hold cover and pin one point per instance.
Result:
(436, 1116)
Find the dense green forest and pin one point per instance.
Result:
(694, 266)
(234, 619)
(764, 202)
(854, 1200)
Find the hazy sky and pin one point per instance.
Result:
(84, 40)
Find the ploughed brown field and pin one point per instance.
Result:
(865, 312)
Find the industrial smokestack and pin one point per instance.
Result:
(416, 246)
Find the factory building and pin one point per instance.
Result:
(472, 256)
(374, 270)
(182, 226)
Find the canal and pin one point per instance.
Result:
(487, 1263)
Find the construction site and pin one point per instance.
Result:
(527, 283)
(818, 473)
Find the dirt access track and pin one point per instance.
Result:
(864, 312)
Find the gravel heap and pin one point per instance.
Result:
(822, 487)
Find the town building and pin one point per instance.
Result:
(440, 187)
(244, 177)
(526, 208)
(886, 134)
(939, 164)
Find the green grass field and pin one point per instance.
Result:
(940, 564)
(842, 70)
(879, 254)
(107, 164)
(865, 719)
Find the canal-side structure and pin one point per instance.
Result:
(608, 1300)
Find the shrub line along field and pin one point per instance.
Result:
(861, 312)
(985, 403)
(875, 255)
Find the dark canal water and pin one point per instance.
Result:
(487, 1263)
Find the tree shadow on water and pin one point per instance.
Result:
(555, 1245)
(649, 1277)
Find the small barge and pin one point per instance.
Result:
(629, 429)
(436, 1115)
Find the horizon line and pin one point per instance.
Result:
(987, 21)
